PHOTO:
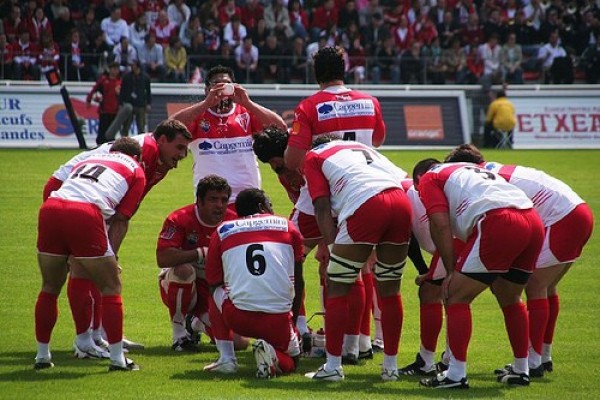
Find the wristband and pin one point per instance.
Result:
(201, 254)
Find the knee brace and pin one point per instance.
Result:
(389, 272)
(343, 270)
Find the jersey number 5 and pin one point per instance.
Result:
(255, 260)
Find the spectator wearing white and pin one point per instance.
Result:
(164, 28)
(178, 12)
(151, 57)
(277, 19)
(511, 58)
(550, 51)
(246, 60)
(189, 29)
(234, 32)
(125, 54)
(114, 27)
(490, 54)
(138, 31)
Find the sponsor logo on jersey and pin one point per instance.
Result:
(225, 228)
(205, 145)
(345, 109)
(205, 125)
(230, 146)
(253, 225)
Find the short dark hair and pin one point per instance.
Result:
(212, 182)
(329, 137)
(127, 145)
(171, 128)
(500, 93)
(217, 70)
(422, 167)
(250, 202)
(329, 64)
(465, 153)
(270, 142)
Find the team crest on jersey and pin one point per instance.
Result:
(345, 109)
(192, 238)
(243, 120)
(168, 233)
(205, 125)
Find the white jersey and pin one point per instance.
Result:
(467, 191)
(420, 221)
(254, 258)
(349, 173)
(552, 198)
(110, 181)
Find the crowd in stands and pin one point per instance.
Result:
(266, 41)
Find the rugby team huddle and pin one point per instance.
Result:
(232, 270)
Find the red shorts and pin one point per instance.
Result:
(384, 218)
(503, 239)
(52, 185)
(276, 329)
(565, 239)
(436, 267)
(202, 294)
(72, 228)
(306, 224)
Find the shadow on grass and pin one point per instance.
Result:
(23, 367)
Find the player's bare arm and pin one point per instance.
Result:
(264, 115)
(441, 234)
(212, 99)
(327, 225)
(298, 290)
(118, 225)
(294, 157)
(172, 257)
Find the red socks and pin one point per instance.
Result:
(538, 320)
(356, 308)
(365, 325)
(392, 315)
(80, 300)
(459, 329)
(553, 310)
(516, 320)
(336, 321)
(432, 317)
(113, 318)
(46, 314)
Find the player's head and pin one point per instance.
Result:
(270, 143)
(322, 139)
(329, 65)
(172, 138)
(212, 197)
(220, 74)
(252, 201)
(465, 153)
(422, 167)
(127, 145)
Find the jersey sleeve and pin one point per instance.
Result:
(131, 201)
(297, 242)
(301, 133)
(379, 131)
(432, 194)
(214, 264)
(171, 234)
(317, 183)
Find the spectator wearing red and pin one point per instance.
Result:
(130, 10)
(13, 24)
(251, 13)
(474, 65)
(227, 11)
(393, 14)
(105, 93)
(403, 35)
(25, 56)
(472, 33)
(152, 8)
(73, 51)
(298, 18)
(49, 53)
(234, 32)
(322, 18)
(427, 32)
(39, 24)
(164, 29)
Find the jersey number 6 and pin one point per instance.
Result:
(255, 260)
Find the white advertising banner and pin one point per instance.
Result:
(556, 122)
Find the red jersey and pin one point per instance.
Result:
(107, 86)
(184, 230)
(337, 110)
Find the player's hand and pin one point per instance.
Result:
(420, 279)
(446, 287)
(240, 95)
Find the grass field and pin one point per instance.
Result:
(165, 374)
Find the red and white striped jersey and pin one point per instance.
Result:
(254, 259)
(350, 114)
(552, 198)
(149, 161)
(222, 145)
(420, 221)
(467, 191)
(113, 182)
(349, 173)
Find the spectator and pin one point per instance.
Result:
(295, 66)
(125, 55)
(427, 32)
(494, 25)
(52, 10)
(455, 61)
(114, 27)
(49, 53)
(175, 61)
(227, 11)
(374, 34)
(131, 11)
(357, 61)
(152, 8)
(260, 33)
(105, 92)
(403, 35)
(412, 65)
(348, 14)
(39, 24)
(209, 10)
(436, 69)
(178, 12)
(463, 11)
(366, 13)
(511, 58)
(212, 37)
(88, 27)
(474, 66)
(14, 24)
(251, 13)
(73, 53)
(392, 15)
(138, 31)
(471, 33)
(322, 18)
(189, 29)
(103, 10)
(548, 55)
(386, 63)
(234, 32)
(151, 58)
(271, 59)
(590, 61)
(246, 59)
(6, 58)
(277, 20)
(525, 35)
(298, 18)
(447, 30)
(509, 13)
(136, 95)
(552, 23)
(492, 68)
(437, 13)
(199, 56)
(225, 57)
(164, 29)
(25, 56)
(62, 26)
(96, 55)
(534, 16)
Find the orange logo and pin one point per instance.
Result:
(424, 122)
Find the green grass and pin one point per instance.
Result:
(179, 376)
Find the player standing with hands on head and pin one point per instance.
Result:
(222, 125)
(503, 236)
(86, 219)
(254, 269)
(362, 188)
